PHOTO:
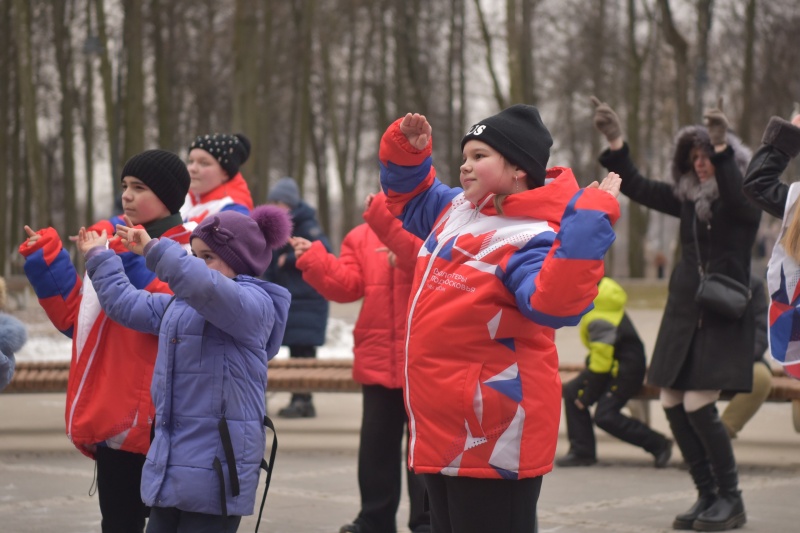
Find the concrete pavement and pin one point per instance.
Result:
(45, 483)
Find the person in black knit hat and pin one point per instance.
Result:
(515, 254)
(217, 184)
(109, 411)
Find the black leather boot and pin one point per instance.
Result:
(728, 511)
(694, 454)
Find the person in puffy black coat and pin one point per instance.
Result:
(308, 314)
(698, 353)
(764, 187)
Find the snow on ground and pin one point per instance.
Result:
(46, 344)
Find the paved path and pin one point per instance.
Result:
(45, 483)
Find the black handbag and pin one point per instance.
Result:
(719, 293)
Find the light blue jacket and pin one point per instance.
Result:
(12, 338)
(215, 338)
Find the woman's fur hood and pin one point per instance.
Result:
(690, 136)
(12, 334)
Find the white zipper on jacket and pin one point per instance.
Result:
(443, 238)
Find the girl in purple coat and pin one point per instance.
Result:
(215, 338)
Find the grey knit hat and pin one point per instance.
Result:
(285, 190)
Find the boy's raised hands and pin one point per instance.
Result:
(417, 130)
(134, 239)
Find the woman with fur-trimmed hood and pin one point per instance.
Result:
(698, 352)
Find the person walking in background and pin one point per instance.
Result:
(743, 405)
(308, 314)
(376, 264)
(514, 254)
(615, 369)
(781, 143)
(13, 336)
(217, 185)
(215, 337)
(698, 351)
(109, 412)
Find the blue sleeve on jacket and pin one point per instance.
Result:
(122, 302)
(239, 208)
(421, 211)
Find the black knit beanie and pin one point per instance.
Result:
(520, 136)
(164, 172)
(231, 151)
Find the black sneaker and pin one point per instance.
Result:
(572, 459)
(298, 409)
(350, 528)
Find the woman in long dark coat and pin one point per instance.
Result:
(698, 352)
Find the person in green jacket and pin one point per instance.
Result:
(615, 369)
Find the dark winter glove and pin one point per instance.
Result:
(593, 387)
(717, 124)
(606, 120)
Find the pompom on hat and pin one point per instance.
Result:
(245, 242)
(164, 172)
(230, 151)
(520, 136)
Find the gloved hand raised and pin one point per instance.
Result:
(606, 120)
(717, 124)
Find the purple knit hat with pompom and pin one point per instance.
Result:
(244, 242)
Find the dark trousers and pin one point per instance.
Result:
(473, 505)
(119, 480)
(381, 464)
(302, 351)
(172, 520)
(608, 417)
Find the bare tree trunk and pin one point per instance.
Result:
(88, 120)
(160, 15)
(526, 48)
(134, 79)
(745, 119)
(263, 141)
(246, 77)
(27, 92)
(704, 19)
(5, 140)
(304, 136)
(499, 96)
(108, 99)
(512, 40)
(680, 49)
(455, 69)
(638, 215)
(62, 17)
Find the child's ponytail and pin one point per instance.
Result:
(791, 238)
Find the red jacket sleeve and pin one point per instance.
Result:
(339, 280)
(390, 231)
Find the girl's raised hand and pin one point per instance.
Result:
(300, 246)
(610, 184)
(417, 130)
(32, 236)
(90, 239)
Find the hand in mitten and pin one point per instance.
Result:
(606, 120)
(717, 124)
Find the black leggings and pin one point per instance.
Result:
(473, 505)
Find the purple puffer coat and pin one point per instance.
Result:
(214, 342)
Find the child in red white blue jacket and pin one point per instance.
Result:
(109, 413)
(507, 259)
